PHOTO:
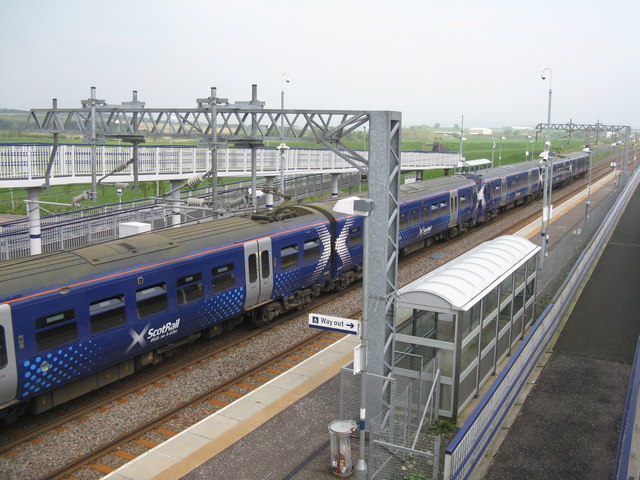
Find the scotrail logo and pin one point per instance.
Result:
(149, 334)
(424, 231)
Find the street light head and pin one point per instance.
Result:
(288, 80)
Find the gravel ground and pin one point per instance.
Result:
(53, 450)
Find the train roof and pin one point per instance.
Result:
(503, 170)
(54, 270)
(436, 185)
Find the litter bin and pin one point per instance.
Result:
(341, 461)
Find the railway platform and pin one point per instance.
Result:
(567, 428)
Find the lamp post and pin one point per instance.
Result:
(283, 146)
(493, 149)
(361, 207)
(461, 140)
(587, 149)
(546, 213)
(530, 148)
(500, 151)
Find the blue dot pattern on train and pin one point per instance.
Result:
(283, 282)
(62, 365)
(223, 306)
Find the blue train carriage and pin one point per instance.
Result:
(301, 244)
(500, 188)
(435, 210)
(568, 167)
(347, 249)
(71, 322)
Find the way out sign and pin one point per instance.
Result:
(337, 324)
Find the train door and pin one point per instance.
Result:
(453, 208)
(505, 197)
(258, 269)
(8, 367)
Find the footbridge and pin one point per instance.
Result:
(31, 166)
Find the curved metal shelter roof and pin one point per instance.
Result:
(462, 282)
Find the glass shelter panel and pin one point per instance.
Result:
(506, 288)
(425, 324)
(490, 303)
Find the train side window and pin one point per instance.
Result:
(444, 207)
(404, 222)
(311, 249)
(55, 330)
(355, 236)
(223, 277)
(189, 288)
(425, 214)
(106, 314)
(265, 264)
(289, 256)
(151, 300)
(435, 213)
(3, 349)
(415, 220)
(463, 202)
(253, 267)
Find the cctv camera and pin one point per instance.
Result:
(543, 77)
(287, 80)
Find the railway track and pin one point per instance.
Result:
(110, 456)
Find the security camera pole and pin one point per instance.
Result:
(546, 211)
(283, 146)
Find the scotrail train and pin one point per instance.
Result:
(73, 321)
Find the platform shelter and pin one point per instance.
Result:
(469, 313)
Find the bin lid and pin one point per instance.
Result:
(342, 426)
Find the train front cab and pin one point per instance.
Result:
(8, 367)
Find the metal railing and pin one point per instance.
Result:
(101, 223)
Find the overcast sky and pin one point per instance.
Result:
(432, 60)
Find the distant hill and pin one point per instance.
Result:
(12, 120)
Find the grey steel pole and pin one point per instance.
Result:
(214, 150)
(254, 150)
(361, 464)
(365, 206)
(94, 160)
(547, 181)
(493, 149)
(282, 144)
(625, 155)
(587, 203)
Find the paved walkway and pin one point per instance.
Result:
(568, 427)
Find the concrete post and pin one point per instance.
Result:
(35, 237)
(335, 177)
(176, 217)
(269, 196)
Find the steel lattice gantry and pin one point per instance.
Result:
(595, 128)
(215, 122)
